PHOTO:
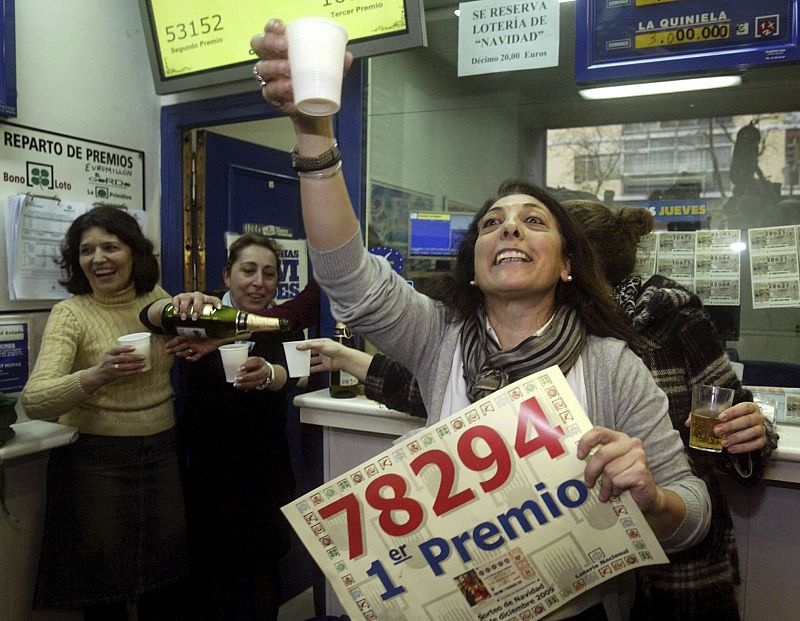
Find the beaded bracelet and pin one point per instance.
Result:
(324, 174)
(80, 385)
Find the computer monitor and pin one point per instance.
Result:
(436, 233)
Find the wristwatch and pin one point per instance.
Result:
(313, 164)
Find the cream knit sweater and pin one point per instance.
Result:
(78, 332)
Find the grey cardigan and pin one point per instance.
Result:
(374, 301)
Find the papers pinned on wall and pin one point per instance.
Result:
(35, 227)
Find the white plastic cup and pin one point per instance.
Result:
(140, 341)
(298, 363)
(316, 59)
(233, 356)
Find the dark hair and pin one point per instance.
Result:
(587, 292)
(117, 222)
(614, 235)
(252, 239)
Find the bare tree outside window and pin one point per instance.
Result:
(596, 156)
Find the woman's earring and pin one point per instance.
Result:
(569, 278)
(472, 283)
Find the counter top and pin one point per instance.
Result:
(788, 444)
(362, 414)
(35, 436)
(357, 413)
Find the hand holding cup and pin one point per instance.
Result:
(233, 356)
(273, 68)
(140, 341)
(708, 402)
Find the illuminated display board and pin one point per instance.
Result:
(202, 42)
(629, 39)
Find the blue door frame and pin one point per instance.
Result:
(177, 119)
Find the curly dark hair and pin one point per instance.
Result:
(117, 222)
(252, 239)
(588, 292)
(614, 235)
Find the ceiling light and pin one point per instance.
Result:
(660, 88)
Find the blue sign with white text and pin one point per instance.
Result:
(13, 357)
(678, 211)
(623, 39)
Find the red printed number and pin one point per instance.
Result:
(497, 456)
(547, 436)
(445, 500)
(352, 513)
(397, 503)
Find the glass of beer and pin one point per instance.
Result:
(707, 403)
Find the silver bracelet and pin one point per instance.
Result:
(323, 174)
(269, 378)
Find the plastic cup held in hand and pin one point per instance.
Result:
(140, 341)
(298, 363)
(707, 404)
(316, 59)
(233, 356)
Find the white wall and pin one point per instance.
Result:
(82, 70)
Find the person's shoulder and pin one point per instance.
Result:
(608, 355)
(604, 347)
(680, 297)
(147, 297)
(72, 304)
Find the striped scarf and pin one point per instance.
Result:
(488, 368)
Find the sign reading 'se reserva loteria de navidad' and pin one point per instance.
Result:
(507, 35)
(482, 516)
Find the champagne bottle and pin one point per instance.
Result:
(219, 323)
(342, 384)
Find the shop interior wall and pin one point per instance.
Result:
(82, 70)
(427, 135)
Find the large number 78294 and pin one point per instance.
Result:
(495, 456)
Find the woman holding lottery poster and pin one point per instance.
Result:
(525, 294)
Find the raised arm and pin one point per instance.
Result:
(327, 211)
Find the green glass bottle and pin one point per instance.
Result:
(219, 323)
(342, 384)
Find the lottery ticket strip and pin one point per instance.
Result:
(483, 516)
(707, 263)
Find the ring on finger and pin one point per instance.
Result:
(260, 80)
(116, 365)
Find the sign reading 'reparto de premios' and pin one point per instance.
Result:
(483, 516)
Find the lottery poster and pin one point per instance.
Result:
(717, 267)
(774, 267)
(482, 516)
